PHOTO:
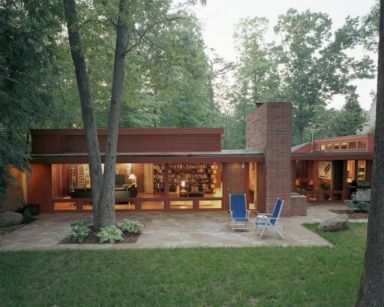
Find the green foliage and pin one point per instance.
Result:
(79, 231)
(351, 118)
(110, 234)
(28, 217)
(130, 226)
(361, 206)
(80, 223)
(168, 80)
(370, 28)
(28, 32)
(308, 65)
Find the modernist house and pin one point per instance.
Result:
(186, 169)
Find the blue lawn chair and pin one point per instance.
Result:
(239, 218)
(264, 221)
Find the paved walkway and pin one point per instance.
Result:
(170, 229)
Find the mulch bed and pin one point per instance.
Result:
(352, 215)
(94, 239)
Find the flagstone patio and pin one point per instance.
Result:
(170, 229)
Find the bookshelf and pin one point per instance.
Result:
(198, 177)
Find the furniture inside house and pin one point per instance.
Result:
(239, 215)
(123, 192)
(269, 221)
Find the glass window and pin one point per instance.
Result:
(361, 168)
(352, 145)
(181, 204)
(322, 147)
(351, 171)
(195, 180)
(329, 146)
(65, 206)
(362, 144)
(344, 145)
(336, 146)
(158, 179)
(152, 205)
(210, 204)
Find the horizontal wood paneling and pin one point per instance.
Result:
(55, 141)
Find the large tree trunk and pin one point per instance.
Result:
(86, 103)
(371, 289)
(103, 195)
(107, 199)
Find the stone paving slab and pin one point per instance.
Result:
(170, 230)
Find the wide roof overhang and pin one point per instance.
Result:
(159, 157)
(355, 155)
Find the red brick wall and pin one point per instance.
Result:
(256, 128)
(269, 127)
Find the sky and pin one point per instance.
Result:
(219, 17)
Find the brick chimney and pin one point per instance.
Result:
(269, 128)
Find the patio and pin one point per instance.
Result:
(169, 230)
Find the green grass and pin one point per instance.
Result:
(266, 276)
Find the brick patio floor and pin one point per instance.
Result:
(170, 229)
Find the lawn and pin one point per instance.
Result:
(266, 276)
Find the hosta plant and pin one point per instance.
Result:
(130, 226)
(79, 231)
(110, 234)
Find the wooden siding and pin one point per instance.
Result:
(61, 141)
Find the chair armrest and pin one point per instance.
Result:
(264, 215)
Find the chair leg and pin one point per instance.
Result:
(278, 232)
(262, 232)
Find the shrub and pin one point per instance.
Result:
(110, 234)
(130, 226)
(28, 217)
(80, 231)
(79, 223)
(361, 206)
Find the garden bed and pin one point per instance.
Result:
(94, 239)
(352, 215)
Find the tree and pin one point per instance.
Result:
(256, 77)
(369, 29)
(257, 74)
(351, 117)
(27, 39)
(135, 22)
(102, 184)
(306, 65)
(371, 287)
(315, 66)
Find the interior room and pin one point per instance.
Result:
(328, 180)
(144, 186)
